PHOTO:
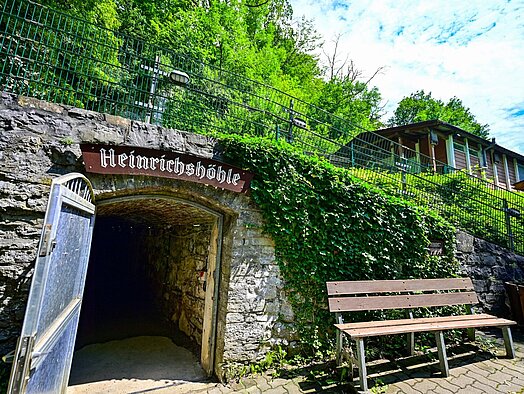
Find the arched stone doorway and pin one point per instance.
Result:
(154, 271)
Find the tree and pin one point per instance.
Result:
(349, 103)
(223, 46)
(420, 106)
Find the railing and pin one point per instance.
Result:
(471, 203)
(53, 56)
(50, 55)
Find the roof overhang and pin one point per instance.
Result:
(415, 131)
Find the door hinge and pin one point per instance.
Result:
(47, 245)
(20, 375)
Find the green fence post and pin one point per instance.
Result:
(508, 224)
(291, 117)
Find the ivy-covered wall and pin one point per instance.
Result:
(328, 226)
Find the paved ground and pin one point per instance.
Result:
(474, 368)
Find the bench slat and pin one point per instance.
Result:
(399, 322)
(416, 326)
(394, 286)
(349, 304)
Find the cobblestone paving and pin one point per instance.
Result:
(473, 369)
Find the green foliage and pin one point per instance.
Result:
(101, 59)
(328, 226)
(420, 106)
(353, 103)
(99, 65)
(262, 42)
(468, 202)
(57, 65)
(274, 359)
(379, 388)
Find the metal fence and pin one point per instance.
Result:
(50, 55)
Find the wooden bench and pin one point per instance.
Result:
(408, 294)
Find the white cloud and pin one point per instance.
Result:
(469, 49)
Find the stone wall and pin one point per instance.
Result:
(177, 263)
(40, 140)
(489, 266)
(257, 302)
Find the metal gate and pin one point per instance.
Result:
(45, 349)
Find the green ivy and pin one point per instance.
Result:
(328, 225)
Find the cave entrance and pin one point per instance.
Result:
(153, 272)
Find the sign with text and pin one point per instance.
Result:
(130, 160)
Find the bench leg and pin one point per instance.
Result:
(471, 331)
(340, 338)
(442, 356)
(508, 342)
(410, 346)
(410, 336)
(361, 360)
(471, 334)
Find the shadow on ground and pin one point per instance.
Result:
(328, 378)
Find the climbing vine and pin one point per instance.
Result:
(329, 226)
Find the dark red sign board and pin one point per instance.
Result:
(131, 160)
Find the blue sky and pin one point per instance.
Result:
(471, 49)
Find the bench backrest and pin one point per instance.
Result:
(366, 295)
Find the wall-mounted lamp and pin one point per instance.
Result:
(179, 78)
(300, 123)
(513, 212)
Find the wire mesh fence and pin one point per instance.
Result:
(471, 203)
(53, 56)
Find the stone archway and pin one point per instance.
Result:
(154, 271)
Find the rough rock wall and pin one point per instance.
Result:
(40, 140)
(257, 303)
(489, 266)
(177, 260)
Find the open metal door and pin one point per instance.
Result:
(45, 348)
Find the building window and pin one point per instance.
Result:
(483, 159)
(521, 171)
(476, 154)
(459, 147)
